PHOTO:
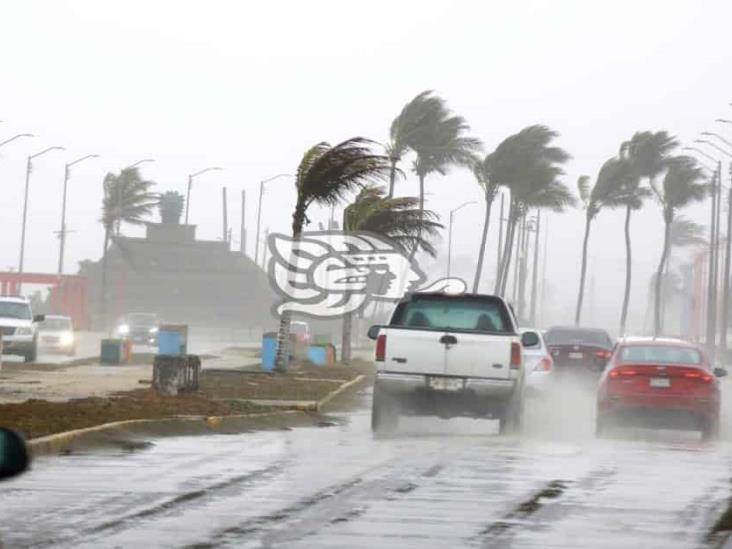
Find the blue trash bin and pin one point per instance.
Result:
(318, 355)
(269, 350)
(173, 339)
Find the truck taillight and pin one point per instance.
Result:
(380, 348)
(515, 356)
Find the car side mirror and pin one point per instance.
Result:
(720, 372)
(39, 318)
(373, 332)
(14, 458)
(529, 339)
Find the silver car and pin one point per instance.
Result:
(538, 363)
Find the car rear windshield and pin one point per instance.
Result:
(52, 324)
(454, 313)
(11, 309)
(569, 336)
(665, 354)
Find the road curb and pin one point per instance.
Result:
(59, 443)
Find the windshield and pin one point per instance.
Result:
(569, 336)
(56, 324)
(10, 309)
(453, 313)
(661, 353)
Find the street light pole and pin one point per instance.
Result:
(190, 184)
(28, 167)
(15, 137)
(259, 210)
(62, 232)
(449, 233)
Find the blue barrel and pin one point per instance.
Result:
(269, 350)
(169, 342)
(318, 355)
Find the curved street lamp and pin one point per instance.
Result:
(15, 137)
(259, 210)
(190, 184)
(449, 233)
(28, 167)
(62, 231)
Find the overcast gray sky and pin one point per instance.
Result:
(249, 85)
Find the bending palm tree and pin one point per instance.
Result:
(608, 192)
(127, 199)
(398, 219)
(325, 174)
(680, 187)
(409, 129)
(482, 172)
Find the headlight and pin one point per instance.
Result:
(67, 338)
(124, 329)
(154, 330)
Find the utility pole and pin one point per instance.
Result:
(190, 184)
(62, 231)
(243, 227)
(712, 282)
(259, 210)
(499, 258)
(535, 270)
(225, 236)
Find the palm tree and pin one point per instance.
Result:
(409, 128)
(482, 172)
(442, 145)
(127, 199)
(398, 219)
(171, 207)
(679, 188)
(608, 192)
(529, 167)
(325, 175)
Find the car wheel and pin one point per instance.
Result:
(31, 355)
(384, 416)
(710, 429)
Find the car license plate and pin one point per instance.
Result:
(446, 384)
(576, 356)
(660, 382)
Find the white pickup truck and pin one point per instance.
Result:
(449, 355)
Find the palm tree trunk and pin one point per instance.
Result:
(484, 238)
(421, 215)
(392, 177)
(523, 272)
(346, 338)
(583, 271)
(507, 249)
(628, 263)
(282, 355)
(103, 285)
(657, 324)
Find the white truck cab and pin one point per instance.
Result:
(449, 355)
(19, 328)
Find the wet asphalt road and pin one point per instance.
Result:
(437, 484)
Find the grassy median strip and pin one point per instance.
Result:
(222, 393)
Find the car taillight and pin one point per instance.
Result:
(515, 356)
(380, 348)
(603, 354)
(696, 374)
(623, 372)
(545, 364)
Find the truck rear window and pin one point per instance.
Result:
(450, 313)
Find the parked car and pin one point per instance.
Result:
(140, 328)
(581, 351)
(56, 335)
(538, 363)
(661, 383)
(448, 355)
(19, 328)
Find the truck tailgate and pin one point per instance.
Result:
(414, 351)
(479, 355)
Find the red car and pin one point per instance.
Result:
(660, 383)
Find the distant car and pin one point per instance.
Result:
(19, 328)
(141, 328)
(581, 351)
(301, 331)
(661, 383)
(56, 334)
(538, 363)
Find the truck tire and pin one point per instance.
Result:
(512, 419)
(384, 416)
